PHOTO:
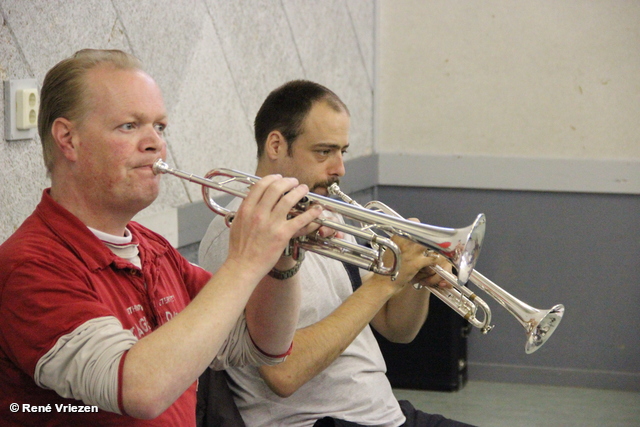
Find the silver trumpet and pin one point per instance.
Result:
(460, 246)
(539, 324)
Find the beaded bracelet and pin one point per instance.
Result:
(284, 275)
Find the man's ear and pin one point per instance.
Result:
(63, 131)
(276, 145)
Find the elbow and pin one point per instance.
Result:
(402, 333)
(145, 412)
(145, 406)
(282, 385)
(404, 339)
(282, 389)
(402, 336)
(283, 392)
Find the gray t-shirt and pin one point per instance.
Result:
(354, 387)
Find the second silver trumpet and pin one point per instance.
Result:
(539, 324)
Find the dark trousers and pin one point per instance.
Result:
(415, 418)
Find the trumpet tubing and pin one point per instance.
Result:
(538, 324)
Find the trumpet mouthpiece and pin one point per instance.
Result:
(159, 166)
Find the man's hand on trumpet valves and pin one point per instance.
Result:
(416, 262)
(321, 231)
(427, 277)
(262, 228)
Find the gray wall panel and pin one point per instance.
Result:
(577, 249)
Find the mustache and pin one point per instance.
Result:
(327, 183)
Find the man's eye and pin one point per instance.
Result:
(127, 126)
(160, 127)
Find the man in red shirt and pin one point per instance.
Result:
(102, 322)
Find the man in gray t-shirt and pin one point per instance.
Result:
(335, 369)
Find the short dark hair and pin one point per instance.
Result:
(287, 106)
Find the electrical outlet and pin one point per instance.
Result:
(27, 108)
(21, 104)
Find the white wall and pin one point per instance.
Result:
(215, 60)
(519, 91)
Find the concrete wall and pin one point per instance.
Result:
(215, 61)
(544, 79)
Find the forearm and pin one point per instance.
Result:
(403, 315)
(272, 311)
(318, 345)
(162, 365)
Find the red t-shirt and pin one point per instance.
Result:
(55, 275)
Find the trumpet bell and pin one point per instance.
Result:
(461, 246)
(468, 256)
(542, 327)
(538, 324)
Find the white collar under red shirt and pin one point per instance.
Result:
(122, 246)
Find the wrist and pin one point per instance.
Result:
(241, 271)
(287, 266)
(280, 274)
(285, 263)
(382, 285)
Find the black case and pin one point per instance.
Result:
(436, 359)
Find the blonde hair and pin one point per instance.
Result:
(64, 91)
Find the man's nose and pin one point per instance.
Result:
(152, 140)
(337, 165)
